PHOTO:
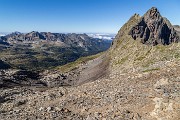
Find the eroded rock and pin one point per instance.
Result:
(154, 29)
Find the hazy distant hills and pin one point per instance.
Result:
(71, 39)
(44, 49)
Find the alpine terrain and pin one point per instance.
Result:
(137, 78)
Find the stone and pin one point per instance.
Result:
(49, 109)
(153, 29)
(41, 109)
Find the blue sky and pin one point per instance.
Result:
(80, 16)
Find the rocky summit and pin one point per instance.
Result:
(129, 81)
(154, 29)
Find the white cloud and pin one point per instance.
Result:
(102, 36)
(2, 35)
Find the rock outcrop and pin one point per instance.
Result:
(154, 29)
(177, 28)
(34, 36)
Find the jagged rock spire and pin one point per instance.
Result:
(154, 29)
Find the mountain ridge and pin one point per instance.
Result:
(140, 83)
(154, 29)
(69, 38)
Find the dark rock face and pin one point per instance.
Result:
(154, 29)
(4, 65)
(2, 41)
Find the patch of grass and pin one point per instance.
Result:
(177, 55)
(140, 58)
(143, 56)
(148, 63)
(161, 48)
(149, 70)
(119, 42)
(121, 61)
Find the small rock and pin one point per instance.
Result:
(41, 109)
(49, 109)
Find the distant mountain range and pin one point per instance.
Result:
(104, 36)
(50, 48)
(71, 39)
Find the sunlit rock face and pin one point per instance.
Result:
(154, 29)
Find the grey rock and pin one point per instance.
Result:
(153, 29)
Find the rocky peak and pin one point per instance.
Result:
(49, 36)
(14, 34)
(34, 35)
(154, 29)
(152, 15)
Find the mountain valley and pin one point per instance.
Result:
(137, 78)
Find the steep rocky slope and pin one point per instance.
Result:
(142, 83)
